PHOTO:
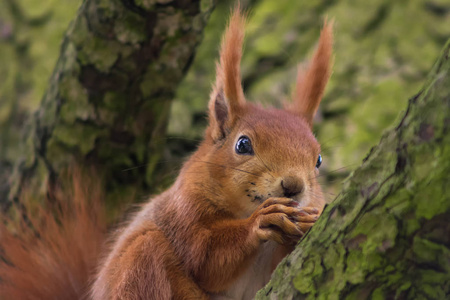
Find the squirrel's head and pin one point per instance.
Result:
(251, 153)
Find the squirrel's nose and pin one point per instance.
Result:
(292, 186)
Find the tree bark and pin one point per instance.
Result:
(387, 234)
(108, 99)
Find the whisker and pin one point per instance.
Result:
(329, 182)
(268, 169)
(135, 167)
(262, 161)
(325, 149)
(225, 166)
(332, 171)
(331, 139)
(326, 196)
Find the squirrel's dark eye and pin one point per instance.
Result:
(244, 146)
(319, 161)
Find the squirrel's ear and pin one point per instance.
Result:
(311, 82)
(227, 98)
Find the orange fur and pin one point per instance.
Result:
(230, 58)
(52, 254)
(226, 222)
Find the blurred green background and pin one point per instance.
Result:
(383, 52)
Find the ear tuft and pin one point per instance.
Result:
(227, 98)
(311, 83)
(230, 57)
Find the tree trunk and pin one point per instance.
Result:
(387, 235)
(109, 96)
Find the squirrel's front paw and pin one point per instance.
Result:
(281, 220)
(307, 217)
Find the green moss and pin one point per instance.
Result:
(430, 166)
(114, 101)
(400, 203)
(206, 5)
(404, 287)
(427, 251)
(152, 81)
(303, 281)
(106, 9)
(379, 238)
(333, 258)
(99, 52)
(355, 274)
(81, 138)
(147, 4)
(168, 24)
(77, 106)
(432, 292)
(334, 263)
(131, 29)
(378, 294)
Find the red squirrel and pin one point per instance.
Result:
(241, 202)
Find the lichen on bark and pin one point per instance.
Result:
(386, 236)
(109, 97)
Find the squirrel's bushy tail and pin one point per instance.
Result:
(52, 251)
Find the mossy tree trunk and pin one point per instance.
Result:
(387, 235)
(109, 97)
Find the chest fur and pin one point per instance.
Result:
(255, 277)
